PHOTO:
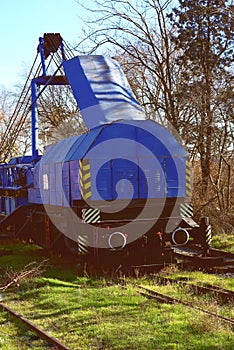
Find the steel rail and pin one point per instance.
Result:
(149, 293)
(43, 335)
(218, 261)
(225, 295)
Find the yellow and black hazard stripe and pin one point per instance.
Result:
(85, 178)
(82, 241)
(91, 216)
(188, 179)
(208, 235)
(186, 210)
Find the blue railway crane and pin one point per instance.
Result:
(123, 187)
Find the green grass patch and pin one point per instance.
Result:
(199, 277)
(16, 255)
(97, 313)
(14, 335)
(224, 242)
(84, 315)
(208, 302)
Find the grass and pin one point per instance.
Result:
(199, 277)
(13, 335)
(84, 315)
(187, 294)
(224, 241)
(96, 313)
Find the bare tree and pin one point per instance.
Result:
(138, 35)
(7, 103)
(58, 114)
(180, 71)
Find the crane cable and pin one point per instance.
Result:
(10, 130)
(11, 133)
(26, 110)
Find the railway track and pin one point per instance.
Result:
(223, 295)
(42, 334)
(217, 261)
(164, 298)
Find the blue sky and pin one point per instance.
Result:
(22, 22)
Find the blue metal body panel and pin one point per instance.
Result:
(75, 184)
(66, 184)
(152, 178)
(58, 152)
(52, 180)
(75, 150)
(174, 187)
(82, 145)
(125, 179)
(147, 133)
(102, 187)
(59, 184)
(128, 160)
(34, 195)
